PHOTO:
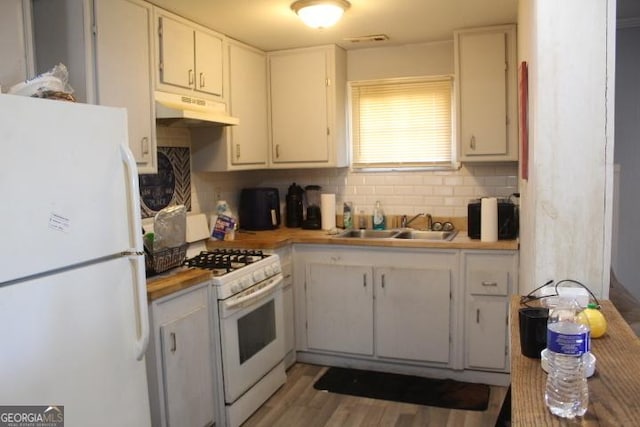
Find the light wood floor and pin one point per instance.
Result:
(297, 403)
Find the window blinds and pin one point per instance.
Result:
(401, 123)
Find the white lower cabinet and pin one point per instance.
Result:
(490, 277)
(286, 263)
(179, 361)
(432, 312)
(339, 305)
(413, 309)
(376, 304)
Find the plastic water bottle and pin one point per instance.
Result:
(567, 394)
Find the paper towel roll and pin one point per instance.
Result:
(328, 211)
(489, 219)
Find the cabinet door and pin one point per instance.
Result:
(483, 93)
(248, 102)
(486, 332)
(187, 369)
(13, 44)
(208, 62)
(123, 75)
(340, 308)
(413, 313)
(176, 53)
(299, 107)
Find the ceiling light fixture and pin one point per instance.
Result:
(320, 13)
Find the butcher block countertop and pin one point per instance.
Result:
(613, 389)
(274, 239)
(176, 280)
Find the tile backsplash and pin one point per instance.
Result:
(441, 193)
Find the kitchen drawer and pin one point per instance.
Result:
(488, 274)
(487, 282)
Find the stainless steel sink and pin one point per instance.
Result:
(406, 234)
(369, 234)
(426, 235)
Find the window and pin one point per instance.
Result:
(402, 123)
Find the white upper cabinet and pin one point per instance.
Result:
(123, 74)
(244, 146)
(189, 57)
(107, 47)
(486, 70)
(307, 100)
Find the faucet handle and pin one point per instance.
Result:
(403, 221)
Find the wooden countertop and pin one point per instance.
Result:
(614, 389)
(175, 280)
(273, 239)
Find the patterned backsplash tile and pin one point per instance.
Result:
(171, 185)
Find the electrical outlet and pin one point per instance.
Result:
(218, 192)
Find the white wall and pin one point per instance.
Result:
(566, 203)
(444, 193)
(627, 154)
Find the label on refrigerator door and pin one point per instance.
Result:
(59, 223)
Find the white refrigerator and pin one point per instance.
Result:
(73, 310)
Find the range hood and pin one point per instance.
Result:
(189, 111)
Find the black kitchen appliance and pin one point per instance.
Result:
(313, 221)
(294, 216)
(507, 219)
(259, 208)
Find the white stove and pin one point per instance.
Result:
(248, 324)
(235, 270)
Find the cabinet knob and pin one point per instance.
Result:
(364, 280)
(472, 142)
(277, 151)
(237, 151)
(382, 281)
(477, 315)
(201, 80)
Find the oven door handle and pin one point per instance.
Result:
(242, 301)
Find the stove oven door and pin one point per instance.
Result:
(252, 335)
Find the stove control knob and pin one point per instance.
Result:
(268, 270)
(236, 287)
(277, 268)
(246, 282)
(258, 276)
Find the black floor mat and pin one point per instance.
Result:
(405, 388)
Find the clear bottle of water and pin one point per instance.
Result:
(567, 394)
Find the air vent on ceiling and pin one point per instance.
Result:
(370, 38)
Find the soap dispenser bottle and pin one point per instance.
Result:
(378, 217)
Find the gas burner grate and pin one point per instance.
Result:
(225, 260)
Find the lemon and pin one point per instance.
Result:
(593, 317)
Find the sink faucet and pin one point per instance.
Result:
(405, 222)
(429, 221)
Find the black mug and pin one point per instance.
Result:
(533, 330)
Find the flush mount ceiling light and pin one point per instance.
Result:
(320, 13)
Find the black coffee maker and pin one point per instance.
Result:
(294, 206)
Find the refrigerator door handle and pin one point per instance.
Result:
(137, 255)
(141, 302)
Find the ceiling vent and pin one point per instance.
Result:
(365, 39)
